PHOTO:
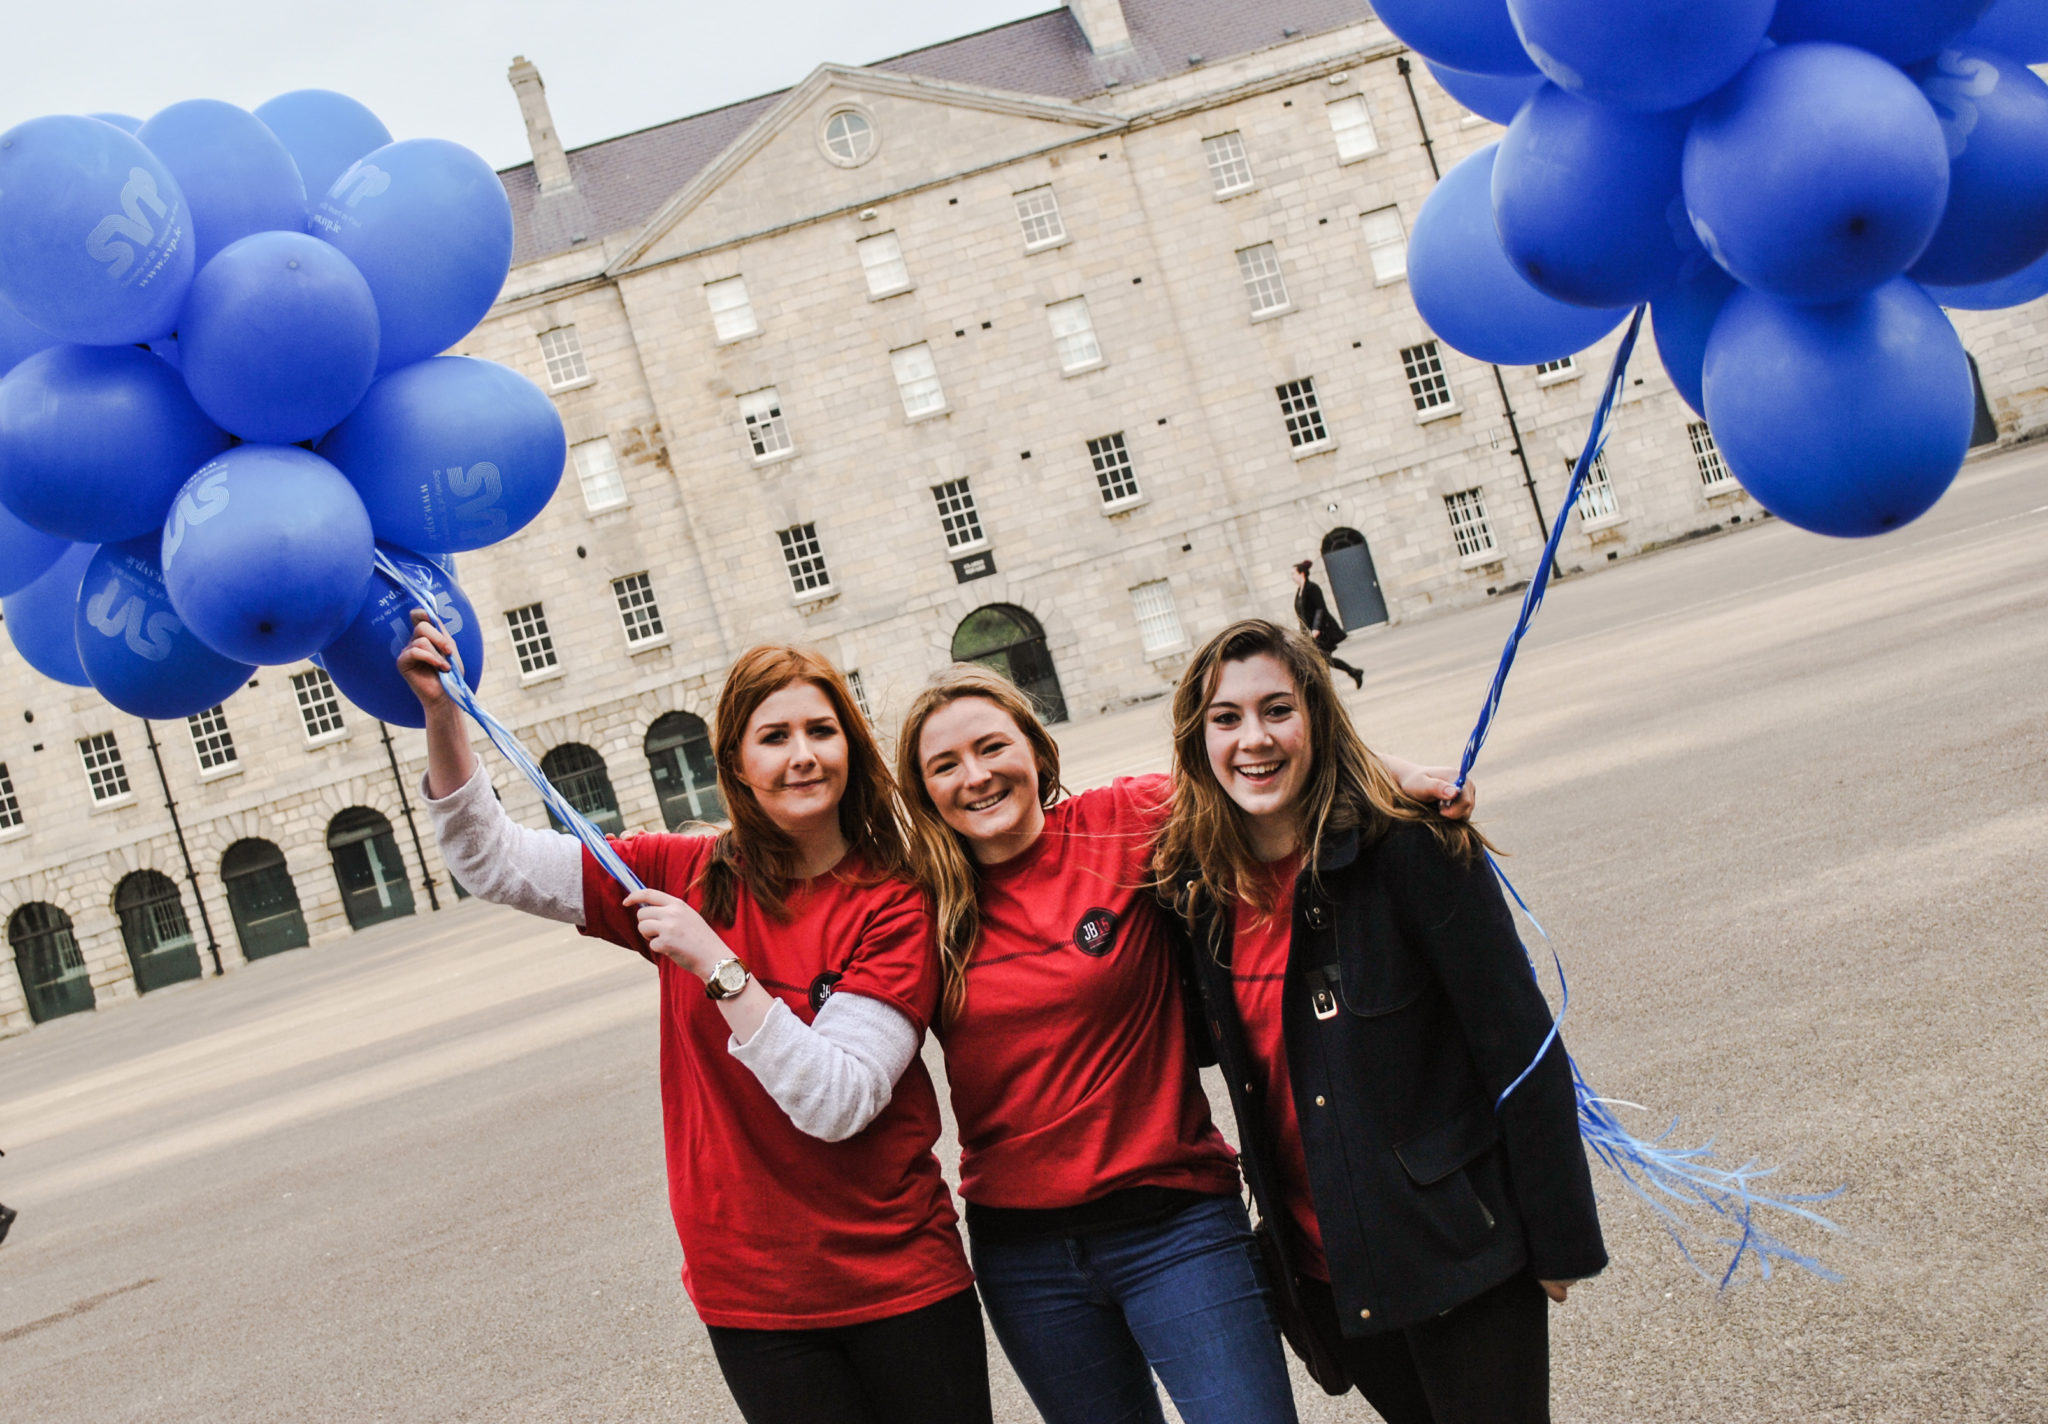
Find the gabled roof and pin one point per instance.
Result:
(623, 182)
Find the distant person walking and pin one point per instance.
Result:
(7, 1215)
(1319, 623)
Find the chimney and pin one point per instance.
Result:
(550, 163)
(1102, 21)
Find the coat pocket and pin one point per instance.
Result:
(1379, 974)
(1436, 1162)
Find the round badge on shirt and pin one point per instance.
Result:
(1096, 934)
(822, 987)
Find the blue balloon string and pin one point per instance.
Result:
(459, 691)
(1677, 1183)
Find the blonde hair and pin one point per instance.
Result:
(939, 857)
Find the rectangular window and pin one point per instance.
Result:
(1713, 472)
(1386, 243)
(1229, 169)
(1073, 333)
(1561, 369)
(10, 809)
(859, 690)
(597, 469)
(1114, 475)
(957, 515)
(767, 431)
(1596, 493)
(732, 314)
(1351, 122)
(1467, 509)
(881, 257)
(1260, 268)
(917, 379)
(1426, 382)
(563, 353)
(637, 609)
(1158, 620)
(319, 705)
(1302, 412)
(1039, 213)
(103, 769)
(211, 739)
(530, 639)
(805, 559)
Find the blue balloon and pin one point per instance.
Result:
(126, 123)
(20, 338)
(1899, 30)
(267, 554)
(1498, 97)
(39, 618)
(1641, 55)
(1682, 319)
(1849, 419)
(1473, 35)
(236, 174)
(2015, 28)
(95, 234)
(430, 227)
(1994, 113)
(134, 647)
(1818, 174)
(2020, 288)
(1586, 199)
(1472, 296)
(452, 453)
(325, 132)
(25, 552)
(363, 661)
(279, 338)
(95, 440)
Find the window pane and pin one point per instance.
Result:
(1386, 239)
(563, 353)
(1074, 334)
(104, 771)
(1427, 384)
(1467, 510)
(1158, 620)
(1596, 492)
(597, 469)
(637, 610)
(917, 378)
(211, 741)
(530, 639)
(1302, 412)
(1114, 476)
(1229, 169)
(767, 431)
(1713, 471)
(849, 136)
(10, 809)
(804, 558)
(958, 517)
(319, 705)
(1351, 122)
(881, 256)
(1260, 268)
(732, 314)
(1039, 212)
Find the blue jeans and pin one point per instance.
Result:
(1086, 1321)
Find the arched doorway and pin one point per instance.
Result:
(685, 773)
(161, 949)
(369, 868)
(262, 899)
(1354, 584)
(578, 772)
(47, 958)
(1006, 638)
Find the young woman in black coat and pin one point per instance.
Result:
(1370, 1002)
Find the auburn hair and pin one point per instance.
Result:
(1204, 854)
(939, 856)
(756, 854)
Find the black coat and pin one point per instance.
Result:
(1408, 1006)
(1315, 616)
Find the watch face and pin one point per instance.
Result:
(729, 978)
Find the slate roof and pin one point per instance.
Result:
(620, 182)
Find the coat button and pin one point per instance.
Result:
(1319, 1099)
(1365, 1315)
(1316, 918)
(1247, 1087)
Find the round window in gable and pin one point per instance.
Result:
(849, 138)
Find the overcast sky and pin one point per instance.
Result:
(436, 68)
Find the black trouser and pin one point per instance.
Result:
(1484, 1362)
(927, 1367)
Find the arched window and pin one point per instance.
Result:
(262, 899)
(161, 949)
(369, 868)
(1006, 638)
(47, 958)
(685, 773)
(579, 774)
(1354, 584)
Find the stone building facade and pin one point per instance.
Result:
(1054, 345)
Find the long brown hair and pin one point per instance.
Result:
(754, 852)
(1205, 841)
(939, 857)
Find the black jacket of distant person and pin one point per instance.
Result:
(1315, 617)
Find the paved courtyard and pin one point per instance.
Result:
(1782, 800)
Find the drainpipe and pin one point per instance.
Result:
(405, 804)
(171, 805)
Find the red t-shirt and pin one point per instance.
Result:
(1258, 967)
(780, 1230)
(1069, 1064)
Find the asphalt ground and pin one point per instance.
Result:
(1781, 800)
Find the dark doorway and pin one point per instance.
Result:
(579, 774)
(685, 773)
(1353, 581)
(262, 899)
(47, 958)
(161, 949)
(1006, 638)
(368, 867)
(1985, 430)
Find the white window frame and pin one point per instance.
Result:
(319, 701)
(1073, 336)
(1158, 618)
(882, 263)
(1556, 373)
(731, 320)
(532, 644)
(1301, 409)
(563, 358)
(1116, 475)
(1230, 165)
(917, 381)
(859, 143)
(1597, 506)
(598, 474)
(1706, 454)
(1378, 243)
(959, 516)
(1344, 130)
(766, 427)
(106, 774)
(1429, 384)
(859, 689)
(803, 559)
(1258, 266)
(1471, 530)
(1038, 214)
(11, 819)
(639, 614)
(211, 738)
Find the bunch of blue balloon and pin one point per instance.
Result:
(220, 393)
(1796, 187)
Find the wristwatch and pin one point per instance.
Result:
(726, 979)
